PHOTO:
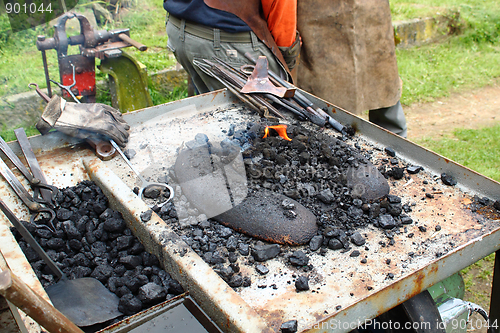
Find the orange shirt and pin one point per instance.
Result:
(281, 17)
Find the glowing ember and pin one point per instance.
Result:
(280, 129)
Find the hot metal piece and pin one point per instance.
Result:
(259, 82)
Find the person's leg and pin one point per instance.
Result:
(391, 118)
(177, 39)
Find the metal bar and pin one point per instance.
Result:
(46, 70)
(495, 296)
(30, 157)
(15, 160)
(136, 44)
(18, 188)
(222, 304)
(32, 242)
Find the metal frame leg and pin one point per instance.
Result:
(495, 295)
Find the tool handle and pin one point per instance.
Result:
(40, 92)
(16, 185)
(31, 240)
(103, 149)
(22, 296)
(136, 44)
(4, 147)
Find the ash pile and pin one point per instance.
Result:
(306, 184)
(92, 240)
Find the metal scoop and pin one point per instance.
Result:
(84, 301)
(144, 183)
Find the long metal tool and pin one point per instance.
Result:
(27, 199)
(235, 81)
(35, 204)
(303, 100)
(30, 157)
(144, 183)
(84, 301)
(33, 181)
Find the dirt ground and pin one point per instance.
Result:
(474, 109)
(471, 110)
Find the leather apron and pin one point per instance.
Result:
(348, 55)
(250, 12)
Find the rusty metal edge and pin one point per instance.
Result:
(468, 180)
(228, 310)
(349, 318)
(23, 321)
(138, 318)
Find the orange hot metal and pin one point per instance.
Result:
(280, 129)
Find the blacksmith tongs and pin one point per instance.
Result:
(40, 202)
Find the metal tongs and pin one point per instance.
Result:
(144, 183)
(43, 200)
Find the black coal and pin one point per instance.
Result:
(93, 240)
(310, 169)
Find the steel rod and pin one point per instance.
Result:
(46, 70)
(31, 241)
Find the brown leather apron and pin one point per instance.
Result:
(250, 12)
(348, 56)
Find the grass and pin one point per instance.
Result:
(21, 62)
(437, 70)
(410, 9)
(466, 61)
(475, 149)
(478, 150)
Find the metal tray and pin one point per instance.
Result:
(344, 292)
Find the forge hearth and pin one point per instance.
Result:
(434, 234)
(282, 184)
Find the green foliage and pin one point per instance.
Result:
(159, 98)
(436, 70)
(21, 62)
(8, 133)
(475, 149)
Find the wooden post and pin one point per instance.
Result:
(22, 296)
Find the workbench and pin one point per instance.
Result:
(344, 292)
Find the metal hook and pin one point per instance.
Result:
(68, 88)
